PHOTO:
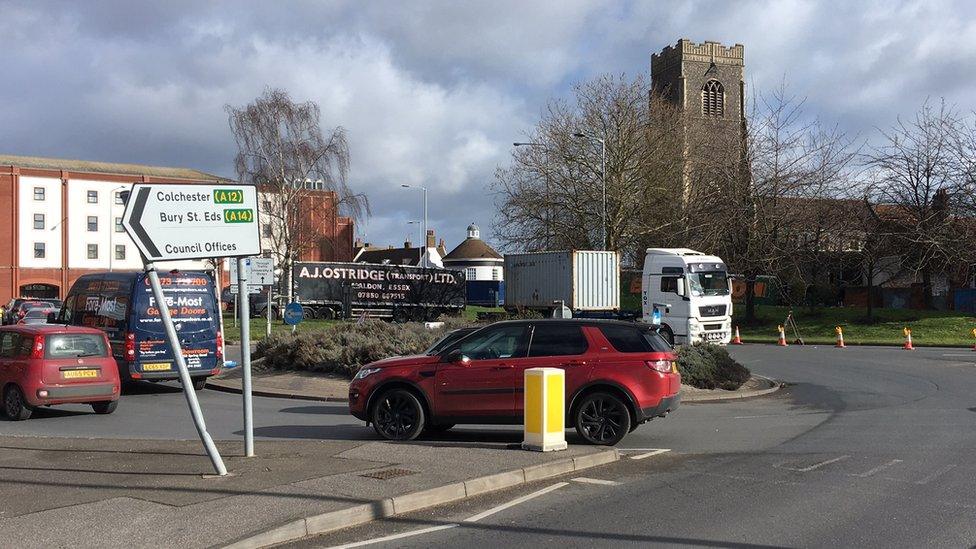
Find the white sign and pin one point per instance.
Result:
(173, 222)
(251, 289)
(259, 271)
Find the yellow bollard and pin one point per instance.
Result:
(545, 410)
(974, 335)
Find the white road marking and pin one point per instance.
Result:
(636, 449)
(973, 356)
(515, 502)
(411, 533)
(937, 473)
(586, 480)
(657, 452)
(878, 469)
(818, 465)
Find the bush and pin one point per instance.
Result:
(345, 347)
(709, 366)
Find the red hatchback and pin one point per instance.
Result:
(47, 364)
(618, 375)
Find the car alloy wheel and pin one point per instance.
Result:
(398, 415)
(602, 419)
(14, 404)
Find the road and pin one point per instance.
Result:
(867, 446)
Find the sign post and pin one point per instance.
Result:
(179, 222)
(245, 312)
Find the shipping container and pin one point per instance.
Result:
(583, 280)
(486, 293)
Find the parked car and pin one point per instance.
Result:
(618, 375)
(447, 339)
(36, 315)
(257, 304)
(122, 305)
(16, 308)
(44, 365)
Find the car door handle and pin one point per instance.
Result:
(574, 363)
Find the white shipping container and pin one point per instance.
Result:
(585, 280)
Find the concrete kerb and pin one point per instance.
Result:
(360, 514)
(733, 395)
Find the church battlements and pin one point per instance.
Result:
(707, 52)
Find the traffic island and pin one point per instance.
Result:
(124, 493)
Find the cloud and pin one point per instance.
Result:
(432, 93)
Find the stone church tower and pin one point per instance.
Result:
(705, 80)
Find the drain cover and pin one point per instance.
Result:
(386, 474)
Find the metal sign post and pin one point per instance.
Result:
(245, 312)
(176, 222)
(188, 392)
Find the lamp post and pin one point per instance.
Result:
(548, 198)
(415, 222)
(111, 225)
(424, 261)
(603, 178)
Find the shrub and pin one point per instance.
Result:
(345, 347)
(709, 366)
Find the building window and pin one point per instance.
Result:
(266, 205)
(40, 250)
(93, 251)
(93, 197)
(92, 224)
(470, 273)
(494, 273)
(118, 198)
(38, 193)
(118, 225)
(120, 251)
(266, 230)
(713, 99)
(38, 221)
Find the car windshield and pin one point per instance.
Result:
(446, 340)
(709, 283)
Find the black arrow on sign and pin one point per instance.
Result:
(135, 220)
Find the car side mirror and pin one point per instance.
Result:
(680, 287)
(52, 318)
(455, 356)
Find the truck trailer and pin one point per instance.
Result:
(583, 281)
(397, 292)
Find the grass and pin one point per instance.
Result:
(259, 326)
(935, 328)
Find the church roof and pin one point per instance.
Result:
(472, 248)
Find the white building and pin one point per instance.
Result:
(476, 258)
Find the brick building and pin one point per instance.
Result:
(60, 219)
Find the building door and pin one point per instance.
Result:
(40, 291)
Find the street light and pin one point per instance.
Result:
(603, 178)
(548, 198)
(414, 222)
(424, 259)
(111, 225)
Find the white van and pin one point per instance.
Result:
(689, 294)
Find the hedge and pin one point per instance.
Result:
(710, 367)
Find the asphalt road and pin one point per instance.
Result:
(867, 447)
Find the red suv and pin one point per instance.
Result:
(47, 364)
(618, 375)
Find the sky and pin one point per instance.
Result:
(434, 93)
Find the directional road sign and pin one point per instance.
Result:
(173, 222)
(259, 271)
(293, 313)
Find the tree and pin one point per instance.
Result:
(282, 150)
(925, 189)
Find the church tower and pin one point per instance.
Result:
(703, 80)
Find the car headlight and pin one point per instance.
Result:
(365, 372)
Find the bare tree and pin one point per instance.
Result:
(924, 187)
(282, 150)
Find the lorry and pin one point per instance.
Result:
(398, 292)
(687, 293)
(584, 281)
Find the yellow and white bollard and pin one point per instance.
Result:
(545, 410)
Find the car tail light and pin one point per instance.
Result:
(130, 346)
(663, 366)
(38, 349)
(220, 346)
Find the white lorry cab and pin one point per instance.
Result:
(689, 294)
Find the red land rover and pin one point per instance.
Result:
(618, 375)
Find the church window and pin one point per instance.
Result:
(713, 99)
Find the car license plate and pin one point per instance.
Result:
(75, 374)
(156, 367)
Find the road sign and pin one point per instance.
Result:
(294, 313)
(258, 270)
(251, 288)
(174, 222)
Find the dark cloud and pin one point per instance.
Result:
(433, 93)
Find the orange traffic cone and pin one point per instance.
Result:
(840, 337)
(782, 337)
(738, 341)
(908, 339)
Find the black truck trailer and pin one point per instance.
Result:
(397, 292)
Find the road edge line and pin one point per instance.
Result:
(331, 521)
